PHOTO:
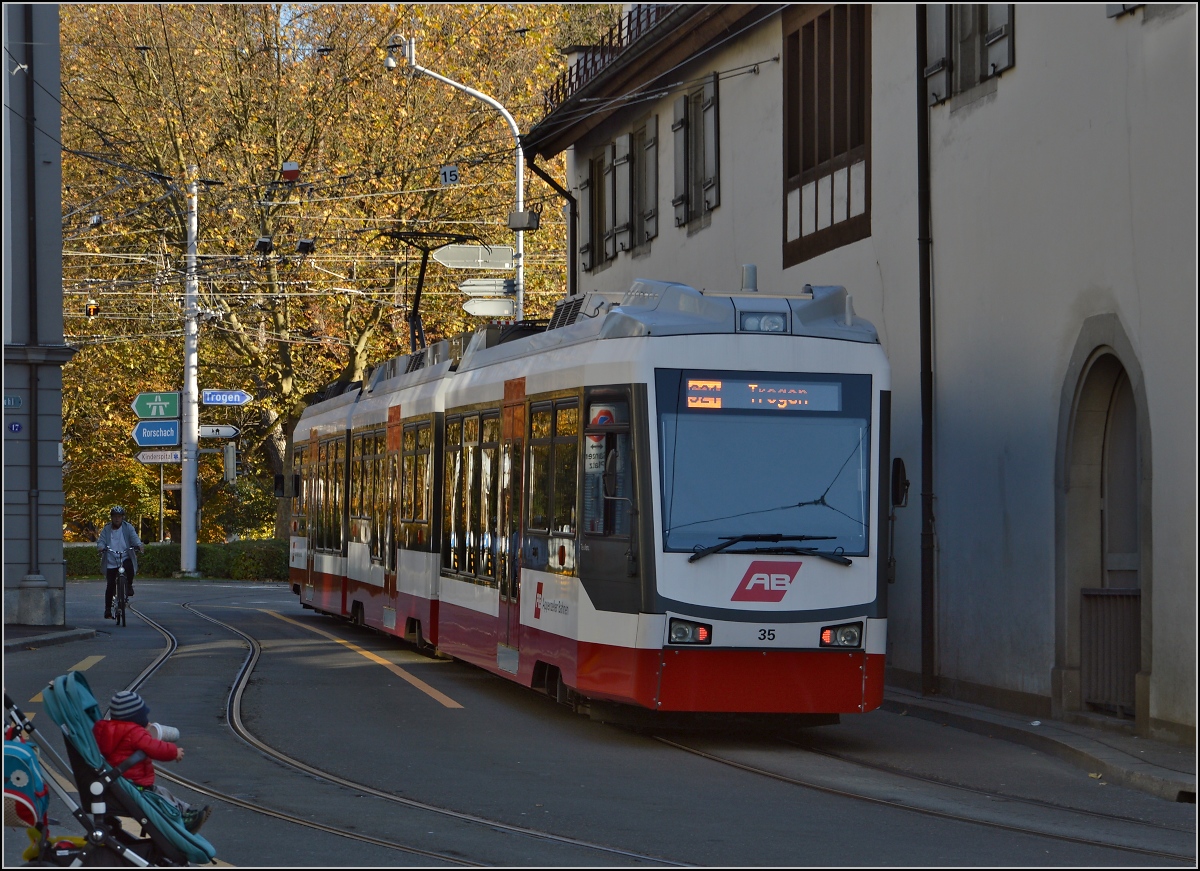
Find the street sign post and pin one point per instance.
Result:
(475, 256)
(218, 432)
(156, 433)
(225, 397)
(491, 307)
(156, 405)
(153, 457)
(488, 287)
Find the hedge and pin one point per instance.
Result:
(265, 559)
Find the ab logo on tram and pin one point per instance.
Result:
(766, 581)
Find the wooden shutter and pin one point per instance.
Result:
(679, 128)
(609, 216)
(650, 213)
(938, 29)
(622, 190)
(998, 38)
(712, 146)
(585, 220)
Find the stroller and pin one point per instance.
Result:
(106, 795)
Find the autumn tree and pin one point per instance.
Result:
(239, 91)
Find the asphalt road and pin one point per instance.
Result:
(372, 711)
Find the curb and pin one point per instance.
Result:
(1118, 767)
(47, 640)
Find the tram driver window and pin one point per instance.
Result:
(606, 448)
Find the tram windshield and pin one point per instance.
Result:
(770, 454)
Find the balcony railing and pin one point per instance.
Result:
(594, 59)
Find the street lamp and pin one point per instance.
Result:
(410, 53)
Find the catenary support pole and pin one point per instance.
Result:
(189, 491)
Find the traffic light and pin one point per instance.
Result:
(91, 308)
(230, 462)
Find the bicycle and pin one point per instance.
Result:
(121, 599)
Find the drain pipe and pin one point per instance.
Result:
(929, 677)
(35, 356)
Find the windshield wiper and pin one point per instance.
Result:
(730, 540)
(832, 556)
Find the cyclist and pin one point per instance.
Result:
(118, 536)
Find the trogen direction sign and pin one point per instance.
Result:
(225, 397)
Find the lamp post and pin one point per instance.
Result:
(410, 53)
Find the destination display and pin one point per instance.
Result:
(762, 395)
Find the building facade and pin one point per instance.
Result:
(1008, 193)
(34, 352)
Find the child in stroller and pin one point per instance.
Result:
(126, 733)
(108, 800)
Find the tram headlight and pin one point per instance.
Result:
(687, 632)
(763, 322)
(846, 635)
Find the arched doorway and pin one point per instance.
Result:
(1102, 591)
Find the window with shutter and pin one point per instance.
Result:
(827, 129)
(595, 216)
(585, 220)
(606, 214)
(711, 181)
(648, 182)
(622, 190)
(680, 130)
(966, 45)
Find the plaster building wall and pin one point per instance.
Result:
(1063, 225)
(1064, 192)
(34, 352)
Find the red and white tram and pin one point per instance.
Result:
(674, 500)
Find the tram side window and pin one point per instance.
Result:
(489, 472)
(607, 449)
(553, 476)
(375, 443)
(322, 510)
(391, 515)
(299, 506)
(468, 507)
(414, 484)
(339, 485)
(540, 429)
(452, 544)
(356, 476)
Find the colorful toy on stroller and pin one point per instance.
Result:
(106, 795)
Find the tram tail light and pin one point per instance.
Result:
(687, 632)
(846, 635)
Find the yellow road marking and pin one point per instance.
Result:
(62, 781)
(85, 664)
(440, 697)
(82, 665)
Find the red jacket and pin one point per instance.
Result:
(120, 739)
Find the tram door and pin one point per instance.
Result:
(509, 544)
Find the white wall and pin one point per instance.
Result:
(1063, 190)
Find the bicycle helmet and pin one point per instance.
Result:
(117, 509)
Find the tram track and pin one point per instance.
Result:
(946, 815)
(237, 725)
(159, 661)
